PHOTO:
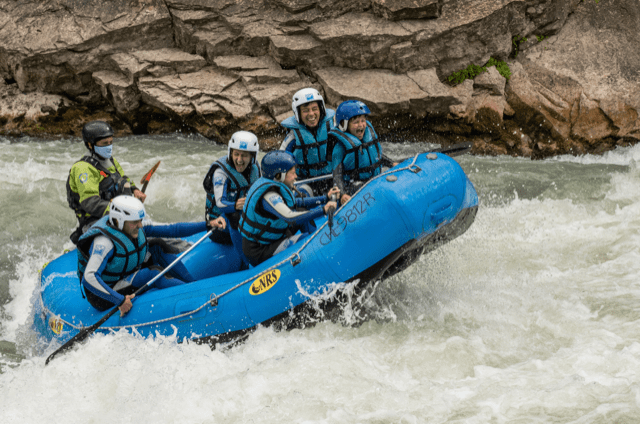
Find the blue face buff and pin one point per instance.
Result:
(104, 151)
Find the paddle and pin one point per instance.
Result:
(145, 180)
(455, 150)
(330, 213)
(87, 331)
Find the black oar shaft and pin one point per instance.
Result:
(455, 150)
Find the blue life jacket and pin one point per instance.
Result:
(311, 151)
(237, 188)
(128, 255)
(362, 157)
(258, 225)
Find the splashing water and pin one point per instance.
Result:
(530, 316)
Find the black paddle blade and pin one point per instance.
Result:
(456, 149)
(82, 334)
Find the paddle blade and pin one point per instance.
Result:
(456, 149)
(82, 334)
(149, 173)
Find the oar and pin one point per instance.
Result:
(455, 150)
(87, 331)
(330, 213)
(145, 180)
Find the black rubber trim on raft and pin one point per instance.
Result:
(304, 315)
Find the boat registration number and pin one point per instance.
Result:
(347, 216)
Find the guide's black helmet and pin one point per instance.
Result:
(95, 131)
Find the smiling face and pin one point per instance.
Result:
(310, 114)
(240, 159)
(357, 126)
(290, 177)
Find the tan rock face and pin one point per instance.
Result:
(585, 81)
(406, 9)
(215, 66)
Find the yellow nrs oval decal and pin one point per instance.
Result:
(56, 325)
(264, 282)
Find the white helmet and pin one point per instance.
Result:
(125, 208)
(304, 96)
(245, 141)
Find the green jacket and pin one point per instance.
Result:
(91, 186)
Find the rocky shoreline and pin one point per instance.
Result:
(216, 66)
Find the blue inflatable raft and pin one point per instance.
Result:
(411, 209)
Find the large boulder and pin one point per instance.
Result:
(215, 66)
(55, 45)
(583, 84)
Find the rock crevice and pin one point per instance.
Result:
(213, 67)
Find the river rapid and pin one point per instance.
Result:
(533, 315)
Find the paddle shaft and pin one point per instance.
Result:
(330, 213)
(455, 150)
(87, 331)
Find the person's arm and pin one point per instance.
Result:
(101, 251)
(311, 202)
(135, 191)
(274, 203)
(120, 171)
(289, 142)
(220, 185)
(180, 229)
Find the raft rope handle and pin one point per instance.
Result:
(214, 300)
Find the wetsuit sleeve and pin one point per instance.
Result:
(310, 202)
(101, 252)
(220, 180)
(180, 229)
(274, 203)
(86, 180)
(289, 142)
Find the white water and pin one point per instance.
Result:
(532, 316)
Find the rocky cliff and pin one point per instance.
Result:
(561, 76)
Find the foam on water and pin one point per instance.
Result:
(530, 316)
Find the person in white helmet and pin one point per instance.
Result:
(113, 254)
(307, 137)
(227, 183)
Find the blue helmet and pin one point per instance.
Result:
(277, 162)
(347, 110)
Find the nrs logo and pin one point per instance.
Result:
(264, 282)
(56, 325)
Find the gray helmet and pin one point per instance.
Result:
(94, 131)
